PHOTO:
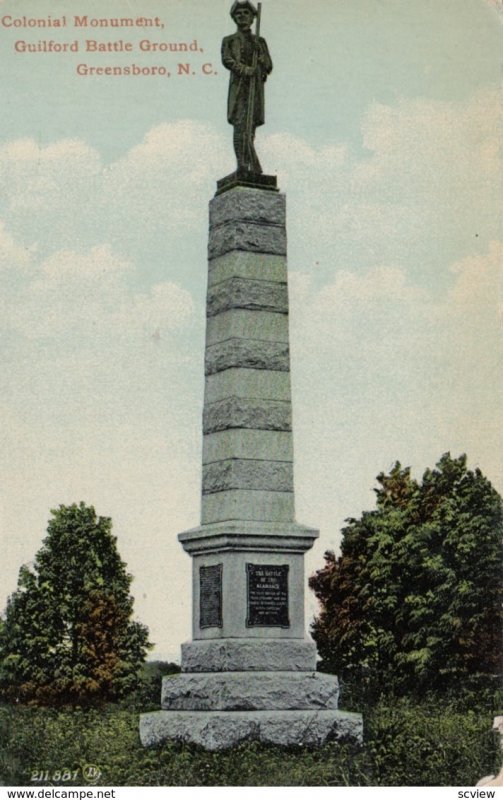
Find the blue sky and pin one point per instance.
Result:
(384, 127)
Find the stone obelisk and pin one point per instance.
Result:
(249, 671)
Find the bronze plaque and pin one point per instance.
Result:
(267, 595)
(210, 596)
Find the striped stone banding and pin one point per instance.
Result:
(247, 236)
(253, 413)
(248, 206)
(242, 323)
(248, 354)
(246, 443)
(248, 294)
(239, 264)
(247, 383)
(233, 473)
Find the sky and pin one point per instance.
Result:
(383, 124)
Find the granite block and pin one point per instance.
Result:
(233, 473)
(219, 730)
(253, 413)
(245, 504)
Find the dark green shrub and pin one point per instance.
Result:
(414, 601)
(147, 696)
(68, 636)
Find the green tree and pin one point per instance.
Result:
(67, 635)
(414, 600)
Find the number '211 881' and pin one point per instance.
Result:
(59, 775)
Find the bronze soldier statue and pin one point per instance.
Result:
(247, 57)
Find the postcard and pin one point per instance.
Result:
(380, 122)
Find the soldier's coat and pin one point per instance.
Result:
(237, 53)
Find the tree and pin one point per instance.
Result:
(414, 600)
(67, 635)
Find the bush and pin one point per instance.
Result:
(414, 601)
(147, 696)
(68, 636)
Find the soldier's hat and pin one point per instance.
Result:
(242, 4)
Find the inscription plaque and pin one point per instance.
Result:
(267, 595)
(210, 596)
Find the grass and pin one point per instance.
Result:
(432, 743)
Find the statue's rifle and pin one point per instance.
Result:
(253, 85)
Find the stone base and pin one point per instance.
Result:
(217, 730)
(219, 710)
(243, 177)
(250, 691)
(254, 655)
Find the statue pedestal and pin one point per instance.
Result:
(251, 180)
(249, 672)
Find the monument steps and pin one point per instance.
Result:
(219, 730)
(250, 691)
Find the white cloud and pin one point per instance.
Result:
(63, 194)
(434, 147)
(426, 190)
(46, 179)
(88, 295)
(166, 308)
(160, 182)
(12, 254)
(478, 286)
(472, 319)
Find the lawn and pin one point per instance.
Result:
(427, 744)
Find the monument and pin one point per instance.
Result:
(249, 672)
